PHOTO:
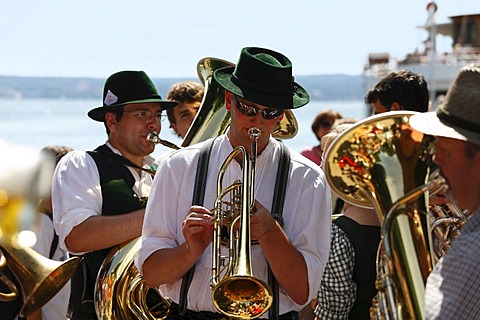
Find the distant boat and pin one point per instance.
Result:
(438, 68)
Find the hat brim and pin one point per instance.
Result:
(98, 113)
(299, 96)
(429, 123)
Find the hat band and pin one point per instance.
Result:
(452, 120)
(259, 87)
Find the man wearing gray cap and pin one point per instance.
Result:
(452, 290)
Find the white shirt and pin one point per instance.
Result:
(56, 308)
(306, 214)
(76, 191)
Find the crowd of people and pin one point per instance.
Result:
(315, 253)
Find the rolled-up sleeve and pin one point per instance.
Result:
(76, 193)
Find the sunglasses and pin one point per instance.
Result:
(250, 111)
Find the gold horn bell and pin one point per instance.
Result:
(22, 184)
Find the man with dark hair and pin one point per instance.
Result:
(399, 90)
(99, 196)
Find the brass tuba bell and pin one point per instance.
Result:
(382, 163)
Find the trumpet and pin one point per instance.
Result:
(239, 294)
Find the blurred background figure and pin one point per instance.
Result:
(399, 90)
(47, 245)
(189, 95)
(321, 125)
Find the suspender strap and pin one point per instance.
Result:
(198, 197)
(277, 212)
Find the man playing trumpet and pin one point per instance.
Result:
(293, 243)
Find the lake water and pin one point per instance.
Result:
(39, 122)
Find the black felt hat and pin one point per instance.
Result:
(264, 77)
(127, 87)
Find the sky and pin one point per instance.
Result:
(166, 39)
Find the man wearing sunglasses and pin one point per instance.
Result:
(290, 241)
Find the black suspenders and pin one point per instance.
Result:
(198, 195)
(277, 210)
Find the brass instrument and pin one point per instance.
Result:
(239, 294)
(382, 163)
(22, 184)
(446, 221)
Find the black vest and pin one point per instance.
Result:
(116, 183)
(365, 241)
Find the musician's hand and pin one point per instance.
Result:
(197, 229)
(261, 222)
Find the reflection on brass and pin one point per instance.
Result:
(121, 292)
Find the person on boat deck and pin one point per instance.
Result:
(321, 125)
(99, 196)
(399, 90)
(293, 243)
(189, 95)
(452, 290)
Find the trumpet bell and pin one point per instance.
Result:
(243, 297)
(40, 278)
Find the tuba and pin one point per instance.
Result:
(21, 186)
(239, 294)
(382, 163)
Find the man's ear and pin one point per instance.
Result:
(173, 125)
(228, 99)
(110, 120)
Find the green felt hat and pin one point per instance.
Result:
(264, 77)
(127, 87)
